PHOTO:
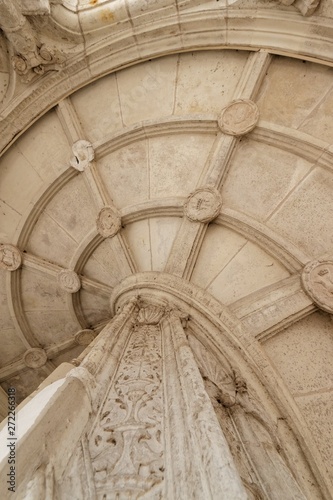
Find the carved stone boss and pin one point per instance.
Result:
(69, 281)
(203, 205)
(84, 337)
(35, 357)
(10, 257)
(108, 222)
(317, 279)
(239, 117)
(83, 154)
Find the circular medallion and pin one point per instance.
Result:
(69, 281)
(35, 358)
(317, 279)
(108, 222)
(10, 257)
(84, 337)
(203, 205)
(239, 117)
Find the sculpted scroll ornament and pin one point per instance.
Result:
(10, 257)
(69, 281)
(239, 117)
(108, 222)
(31, 56)
(83, 154)
(317, 279)
(203, 205)
(35, 358)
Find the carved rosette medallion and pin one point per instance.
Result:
(317, 279)
(10, 257)
(239, 117)
(83, 154)
(69, 281)
(35, 357)
(84, 337)
(203, 205)
(108, 222)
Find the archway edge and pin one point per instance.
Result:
(225, 333)
(293, 37)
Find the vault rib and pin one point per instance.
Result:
(191, 234)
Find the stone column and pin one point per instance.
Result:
(52, 425)
(156, 434)
(200, 462)
(133, 420)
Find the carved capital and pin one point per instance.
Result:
(83, 154)
(239, 117)
(10, 257)
(317, 280)
(69, 281)
(84, 337)
(35, 358)
(108, 222)
(203, 205)
(150, 315)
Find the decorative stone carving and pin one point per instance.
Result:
(127, 443)
(150, 315)
(31, 56)
(239, 117)
(35, 357)
(203, 205)
(249, 430)
(317, 279)
(306, 7)
(84, 337)
(108, 222)
(83, 154)
(10, 257)
(69, 281)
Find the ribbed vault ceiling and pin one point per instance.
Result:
(153, 134)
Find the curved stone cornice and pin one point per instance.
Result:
(293, 36)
